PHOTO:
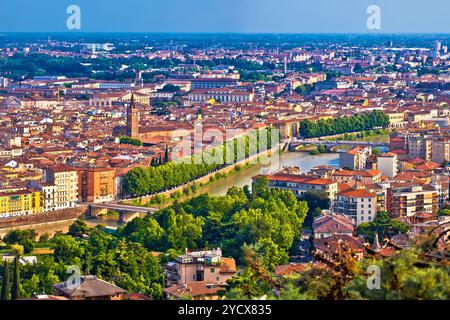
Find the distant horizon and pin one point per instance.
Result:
(225, 32)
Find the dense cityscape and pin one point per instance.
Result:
(224, 166)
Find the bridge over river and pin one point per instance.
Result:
(126, 212)
(333, 143)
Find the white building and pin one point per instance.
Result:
(220, 95)
(387, 163)
(358, 204)
(355, 158)
(65, 181)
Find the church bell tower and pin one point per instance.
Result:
(132, 119)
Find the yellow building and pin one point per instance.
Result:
(396, 119)
(20, 203)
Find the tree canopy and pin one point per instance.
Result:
(338, 125)
(383, 225)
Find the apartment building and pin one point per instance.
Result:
(96, 185)
(440, 150)
(387, 163)
(364, 176)
(396, 119)
(406, 199)
(355, 158)
(206, 266)
(358, 204)
(65, 180)
(47, 194)
(380, 189)
(397, 143)
(21, 202)
(419, 147)
(299, 184)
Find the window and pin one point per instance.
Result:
(212, 270)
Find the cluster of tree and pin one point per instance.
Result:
(361, 135)
(161, 107)
(11, 282)
(157, 161)
(320, 149)
(339, 125)
(444, 211)
(127, 264)
(239, 64)
(252, 76)
(25, 238)
(383, 225)
(132, 141)
(317, 201)
(170, 88)
(143, 181)
(21, 66)
(304, 89)
(409, 275)
(267, 220)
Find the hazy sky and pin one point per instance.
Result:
(264, 16)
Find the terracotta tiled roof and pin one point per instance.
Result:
(366, 173)
(333, 223)
(292, 268)
(193, 289)
(90, 287)
(297, 179)
(330, 244)
(227, 265)
(135, 296)
(387, 252)
(344, 186)
(357, 193)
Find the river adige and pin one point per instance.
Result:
(217, 188)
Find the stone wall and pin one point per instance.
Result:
(60, 215)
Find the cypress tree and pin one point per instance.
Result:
(5, 282)
(166, 154)
(15, 294)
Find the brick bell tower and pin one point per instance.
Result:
(132, 119)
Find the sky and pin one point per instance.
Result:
(234, 16)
